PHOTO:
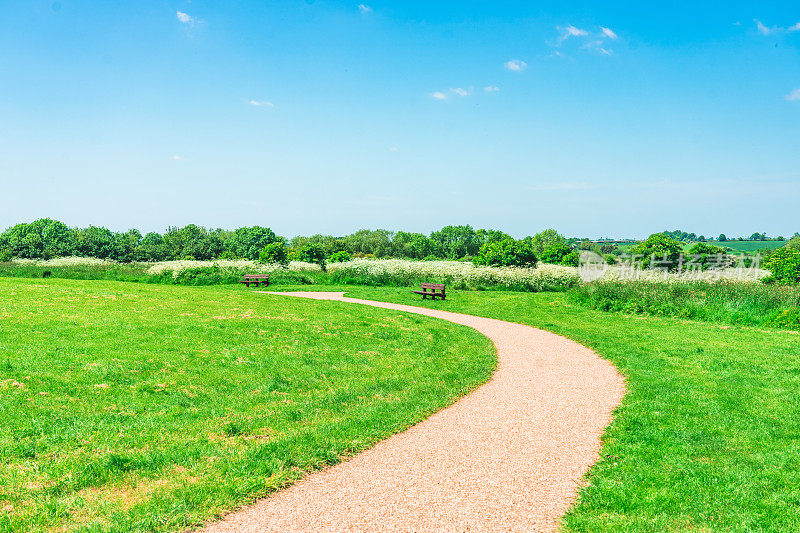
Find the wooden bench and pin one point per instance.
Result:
(256, 279)
(430, 289)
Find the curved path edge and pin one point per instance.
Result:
(509, 456)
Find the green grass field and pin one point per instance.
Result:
(708, 437)
(738, 247)
(133, 407)
(164, 405)
(749, 246)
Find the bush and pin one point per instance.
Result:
(248, 242)
(340, 257)
(571, 259)
(313, 253)
(784, 265)
(710, 256)
(274, 252)
(5, 255)
(555, 253)
(507, 252)
(658, 250)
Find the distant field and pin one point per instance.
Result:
(137, 407)
(749, 246)
(736, 246)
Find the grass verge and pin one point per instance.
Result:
(746, 304)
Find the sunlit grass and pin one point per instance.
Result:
(131, 407)
(708, 436)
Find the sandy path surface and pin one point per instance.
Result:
(507, 457)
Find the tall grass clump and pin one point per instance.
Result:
(747, 304)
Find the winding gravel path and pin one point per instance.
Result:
(507, 457)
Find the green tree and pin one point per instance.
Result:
(412, 245)
(545, 239)
(555, 253)
(152, 248)
(274, 252)
(706, 254)
(376, 242)
(340, 256)
(126, 245)
(329, 243)
(314, 253)
(784, 266)
(96, 241)
(507, 252)
(248, 242)
(455, 242)
(659, 250)
(41, 239)
(484, 236)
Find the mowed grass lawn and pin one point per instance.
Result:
(133, 407)
(708, 437)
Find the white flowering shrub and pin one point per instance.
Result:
(176, 268)
(626, 273)
(64, 262)
(454, 273)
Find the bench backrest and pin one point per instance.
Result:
(433, 286)
(256, 276)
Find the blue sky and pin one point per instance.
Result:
(598, 119)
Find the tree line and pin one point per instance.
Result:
(46, 238)
(684, 236)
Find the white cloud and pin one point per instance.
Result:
(491, 88)
(765, 30)
(185, 18)
(364, 9)
(793, 96)
(178, 158)
(261, 103)
(571, 31)
(608, 33)
(438, 95)
(598, 47)
(461, 92)
(515, 65)
(394, 149)
(769, 30)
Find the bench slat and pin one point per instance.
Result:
(434, 290)
(255, 279)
